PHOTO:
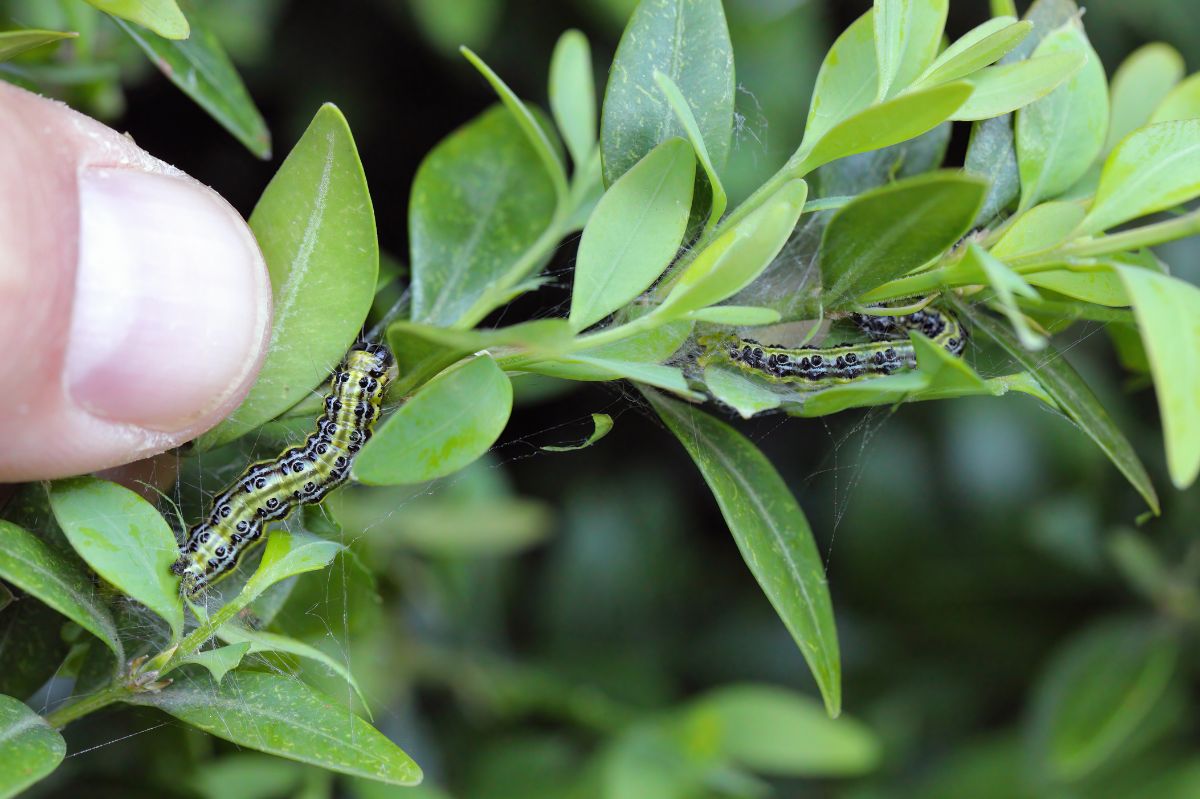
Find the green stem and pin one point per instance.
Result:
(88, 704)
(1138, 237)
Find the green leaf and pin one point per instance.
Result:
(847, 83)
(736, 315)
(1168, 317)
(1074, 398)
(1140, 85)
(31, 565)
(316, 228)
(908, 35)
(219, 661)
(286, 555)
(1008, 87)
(896, 120)
(634, 232)
(991, 155)
(648, 346)
(1007, 284)
(1060, 135)
(1152, 169)
(29, 747)
(480, 200)
(199, 67)
(688, 41)
(254, 641)
(282, 716)
(1183, 102)
(451, 421)
(538, 336)
(740, 254)
(1097, 284)
(124, 539)
(1040, 228)
(573, 95)
(890, 231)
(13, 43)
(163, 17)
(590, 368)
(771, 532)
(602, 425)
(683, 113)
(529, 124)
(1095, 693)
(758, 727)
(977, 48)
(745, 395)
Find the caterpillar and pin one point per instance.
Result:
(269, 491)
(888, 352)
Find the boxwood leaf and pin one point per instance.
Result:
(29, 747)
(198, 66)
(282, 716)
(771, 532)
(1071, 393)
(890, 231)
(757, 726)
(1060, 135)
(1096, 691)
(219, 661)
(13, 43)
(480, 200)
(974, 50)
(451, 421)
(898, 119)
(163, 17)
(1183, 102)
(316, 228)
(124, 539)
(1139, 86)
(740, 254)
(1007, 87)
(688, 41)
(1152, 169)
(573, 95)
(57, 580)
(908, 35)
(634, 232)
(847, 82)
(602, 425)
(1168, 316)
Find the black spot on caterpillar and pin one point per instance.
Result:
(889, 351)
(270, 490)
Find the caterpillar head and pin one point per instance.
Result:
(374, 359)
(193, 578)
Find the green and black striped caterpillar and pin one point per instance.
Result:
(270, 490)
(888, 352)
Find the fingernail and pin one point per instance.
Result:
(171, 301)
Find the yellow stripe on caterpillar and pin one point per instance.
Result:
(270, 490)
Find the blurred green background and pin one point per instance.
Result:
(509, 623)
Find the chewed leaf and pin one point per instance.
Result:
(219, 661)
(602, 424)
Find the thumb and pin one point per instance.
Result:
(134, 303)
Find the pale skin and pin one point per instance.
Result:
(135, 305)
